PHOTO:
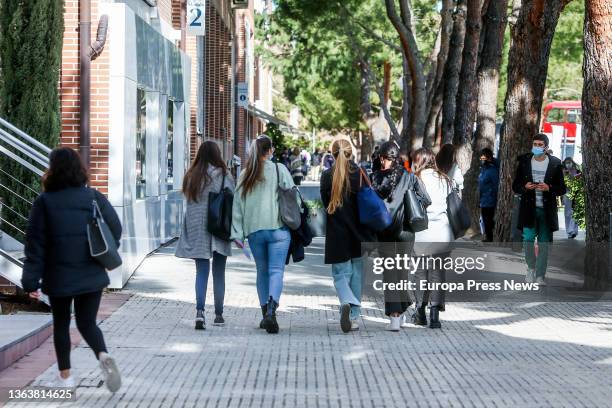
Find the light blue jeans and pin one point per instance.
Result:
(347, 280)
(270, 248)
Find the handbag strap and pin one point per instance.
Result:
(362, 177)
(222, 181)
(94, 203)
(277, 175)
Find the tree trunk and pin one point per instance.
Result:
(597, 137)
(492, 37)
(527, 69)
(451, 72)
(436, 87)
(466, 94)
(410, 50)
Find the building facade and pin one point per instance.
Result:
(157, 92)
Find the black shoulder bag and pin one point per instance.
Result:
(220, 212)
(102, 245)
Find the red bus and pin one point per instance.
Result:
(563, 113)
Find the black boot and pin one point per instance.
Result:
(434, 317)
(419, 318)
(270, 323)
(264, 308)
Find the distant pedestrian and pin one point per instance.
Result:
(207, 174)
(305, 155)
(394, 185)
(376, 163)
(446, 161)
(58, 260)
(296, 166)
(539, 181)
(570, 171)
(315, 162)
(488, 184)
(434, 239)
(256, 217)
(344, 234)
(328, 160)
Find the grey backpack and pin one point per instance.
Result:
(288, 204)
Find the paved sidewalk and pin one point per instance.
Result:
(486, 355)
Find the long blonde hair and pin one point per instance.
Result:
(342, 151)
(253, 171)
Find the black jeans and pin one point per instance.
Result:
(85, 311)
(396, 301)
(435, 296)
(488, 219)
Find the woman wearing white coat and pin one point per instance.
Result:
(435, 239)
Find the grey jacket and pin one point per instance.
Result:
(195, 241)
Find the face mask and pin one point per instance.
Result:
(568, 166)
(483, 162)
(537, 151)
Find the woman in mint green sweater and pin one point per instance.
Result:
(256, 216)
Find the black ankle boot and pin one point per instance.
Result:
(264, 308)
(434, 317)
(270, 323)
(419, 318)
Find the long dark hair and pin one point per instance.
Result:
(253, 171)
(65, 170)
(423, 159)
(445, 159)
(197, 176)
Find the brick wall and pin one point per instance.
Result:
(69, 94)
(217, 82)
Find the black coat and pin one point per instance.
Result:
(344, 234)
(57, 250)
(399, 230)
(553, 177)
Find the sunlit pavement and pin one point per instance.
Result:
(519, 355)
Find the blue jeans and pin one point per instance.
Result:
(270, 248)
(202, 272)
(347, 280)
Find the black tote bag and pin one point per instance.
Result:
(415, 212)
(102, 245)
(458, 214)
(220, 212)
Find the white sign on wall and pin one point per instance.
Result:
(242, 90)
(196, 15)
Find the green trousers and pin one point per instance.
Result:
(544, 236)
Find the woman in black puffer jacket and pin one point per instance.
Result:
(393, 183)
(58, 260)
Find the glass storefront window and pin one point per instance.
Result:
(170, 146)
(141, 143)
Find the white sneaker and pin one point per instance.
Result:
(394, 324)
(354, 325)
(60, 382)
(541, 281)
(404, 322)
(530, 275)
(112, 378)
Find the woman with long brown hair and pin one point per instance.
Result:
(256, 217)
(344, 235)
(434, 240)
(59, 263)
(208, 173)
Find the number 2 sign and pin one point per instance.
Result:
(196, 15)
